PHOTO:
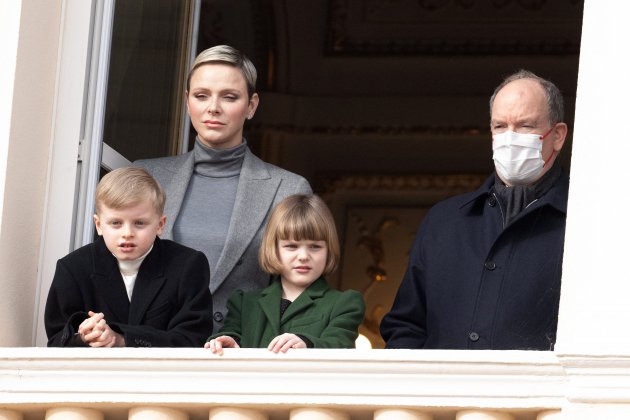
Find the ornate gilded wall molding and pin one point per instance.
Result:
(370, 129)
(450, 184)
(498, 27)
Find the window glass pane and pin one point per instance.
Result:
(143, 117)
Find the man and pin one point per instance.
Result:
(484, 270)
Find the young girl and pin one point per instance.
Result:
(298, 309)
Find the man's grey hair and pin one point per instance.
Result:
(555, 102)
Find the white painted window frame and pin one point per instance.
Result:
(77, 134)
(77, 150)
(91, 146)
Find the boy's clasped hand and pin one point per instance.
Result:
(95, 332)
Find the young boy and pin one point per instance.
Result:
(129, 288)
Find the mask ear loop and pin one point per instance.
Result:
(542, 138)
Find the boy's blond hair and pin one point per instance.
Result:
(299, 217)
(127, 187)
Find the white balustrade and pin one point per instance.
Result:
(400, 414)
(318, 414)
(254, 384)
(236, 413)
(73, 413)
(10, 415)
(156, 413)
(483, 415)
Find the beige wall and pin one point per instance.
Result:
(27, 140)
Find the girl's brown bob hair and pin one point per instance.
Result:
(299, 217)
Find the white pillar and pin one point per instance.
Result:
(483, 415)
(73, 413)
(594, 309)
(235, 413)
(156, 413)
(318, 414)
(400, 414)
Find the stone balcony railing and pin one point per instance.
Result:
(156, 384)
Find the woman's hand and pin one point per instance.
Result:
(216, 345)
(285, 342)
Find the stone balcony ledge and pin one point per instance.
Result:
(358, 381)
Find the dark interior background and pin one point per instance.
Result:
(381, 104)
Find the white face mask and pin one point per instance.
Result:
(518, 157)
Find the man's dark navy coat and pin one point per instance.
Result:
(472, 283)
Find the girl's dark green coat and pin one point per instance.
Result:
(327, 317)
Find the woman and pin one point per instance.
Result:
(219, 194)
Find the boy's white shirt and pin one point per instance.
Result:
(129, 271)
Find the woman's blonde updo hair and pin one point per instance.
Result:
(224, 54)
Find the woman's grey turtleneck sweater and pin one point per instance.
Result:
(206, 211)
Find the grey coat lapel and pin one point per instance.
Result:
(254, 197)
(182, 169)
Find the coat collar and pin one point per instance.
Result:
(269, 302)
(271, 295)
(556, 197)
(306, 299)
(149, 282)
(108, 281)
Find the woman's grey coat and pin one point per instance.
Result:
(260, 187)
